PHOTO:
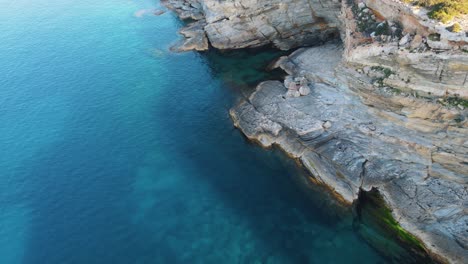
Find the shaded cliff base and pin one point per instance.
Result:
(387, 111)
(284, 24)
(352, 145)
(375, 223)
(369, 216)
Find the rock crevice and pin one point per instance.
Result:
(285, 24)
(363, 147)
(387, 108)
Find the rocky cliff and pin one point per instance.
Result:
(234, 24)
(387, 110)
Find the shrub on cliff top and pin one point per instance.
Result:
(456, 28)
(443, 10)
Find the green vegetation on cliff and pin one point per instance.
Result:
(456, 28)
(377, 225)
(443, 10)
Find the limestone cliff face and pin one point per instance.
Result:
(234, 24)
(355, 136)
(284, 23)
(424, 58)
(388, 107)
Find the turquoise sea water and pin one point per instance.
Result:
(115, 150)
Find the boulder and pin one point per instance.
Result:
(327, 124)
(288, 81)
(304, 90)
(405, 40)
(293, 93)
(292, 86)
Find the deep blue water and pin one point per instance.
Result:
(115, 150)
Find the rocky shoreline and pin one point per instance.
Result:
(387, 110)
(351, 148)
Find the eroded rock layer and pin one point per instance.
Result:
(249, 23)
(387, 109)
(352, 136)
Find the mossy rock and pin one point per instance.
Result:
(375, 223)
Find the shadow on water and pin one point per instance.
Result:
(79, 218)
(207, 195)
(372, 219)
(240, 186)
(375, 223)
(289, 225)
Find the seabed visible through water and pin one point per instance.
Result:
(116, 150)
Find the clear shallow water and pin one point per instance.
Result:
(115, 150)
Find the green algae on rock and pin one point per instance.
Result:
(362, 128)
(375, 222)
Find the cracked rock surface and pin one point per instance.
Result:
(249, 23)
(348, 145)
(387, 111)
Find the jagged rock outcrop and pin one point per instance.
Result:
(387, 112)
(194, 38)
(388, 108)
(426, 60)
(249, 23)
(354, 136)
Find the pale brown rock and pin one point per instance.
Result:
(195, 38)
(378, 116)
(409, 148)
(249, 23)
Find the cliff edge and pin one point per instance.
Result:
(387, 109)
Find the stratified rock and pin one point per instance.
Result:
(284, 23)
(410, 149)
(365, 124)
(185, 9)
(249, 23)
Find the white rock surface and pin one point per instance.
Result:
(413, 151)
(304, 90)
(249, 23)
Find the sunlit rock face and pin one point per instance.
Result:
(386, 111)
(423, 57)
(387, 108)
(354, 136)
(285, 24)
